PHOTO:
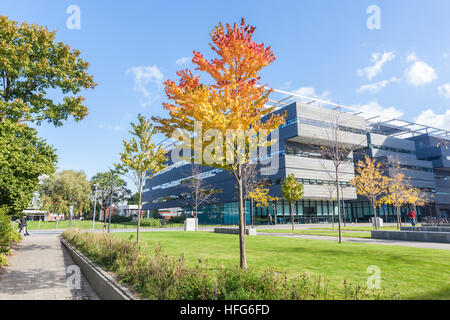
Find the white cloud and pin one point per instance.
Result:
(377, 86)
(412, 57)
(311, 92)
(444, 90)
(374, 108)
(143, 75)
(419, 73)
(286, 85)
(378, 60)
(429, 118)
(182, 60)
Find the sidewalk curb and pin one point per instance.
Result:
(104, 284)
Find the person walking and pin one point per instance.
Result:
(412, 217)
(270, 219)
(23, 226)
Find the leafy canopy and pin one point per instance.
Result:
(232, 101)
(291, 189)
(104, 181)
(65, 188)
(369, 180)
(33, 64)
(142, 158)
(397, 191)
(23, 159)
(261, 197)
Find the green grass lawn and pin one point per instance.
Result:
(415, 273)
(319, 233)
(360, 228)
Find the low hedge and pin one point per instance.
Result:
(120, 219)
(158, 276)
(150, 222)
(7, 236)
(177, 219)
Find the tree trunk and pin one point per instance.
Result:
(332, 214)
(292, 215)
(196, 218)
(398, 217)
(338, 205)
(139, 212)
(243, 254)
(104, 220)
(375, 215)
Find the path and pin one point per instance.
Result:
(38, 272)
(415, 244)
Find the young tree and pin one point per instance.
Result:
(23, 159)
(31, 64)
(292, 191)
(416, 197)
(370, 182)
(397, 194)
(233, 101)
(337, 150)
(261, 196)
(142, 158)
(200, 193)
(106, 181)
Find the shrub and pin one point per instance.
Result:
(7, 236)
(120, 219)
(150, 222)
(158, 276)
(177, 219)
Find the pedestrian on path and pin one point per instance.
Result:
(23, 226)
(412, 217)
(270, 220)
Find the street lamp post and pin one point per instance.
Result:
(70, 215)
(95, 206)
(110, 201)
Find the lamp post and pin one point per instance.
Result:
(70, 215)
(95, 206)
(111, 200)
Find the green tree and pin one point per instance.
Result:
(105, 181)
(23, 159)
(370, 182)
(292, 191)
(64, 189)
(134, 199)
(142, 158)
(31, 64)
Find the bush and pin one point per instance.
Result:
(120, 219)
(177, 219)
(150, 222)
(158, 276)
(7, 236)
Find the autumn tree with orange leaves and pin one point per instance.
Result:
(370, 182)
(232, 102)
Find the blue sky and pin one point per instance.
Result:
(323, 48)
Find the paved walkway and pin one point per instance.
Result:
(415, 244)
(38, 272)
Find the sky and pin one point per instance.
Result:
(388, 57)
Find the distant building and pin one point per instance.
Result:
(420, 152)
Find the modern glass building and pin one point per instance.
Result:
(418, 151)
